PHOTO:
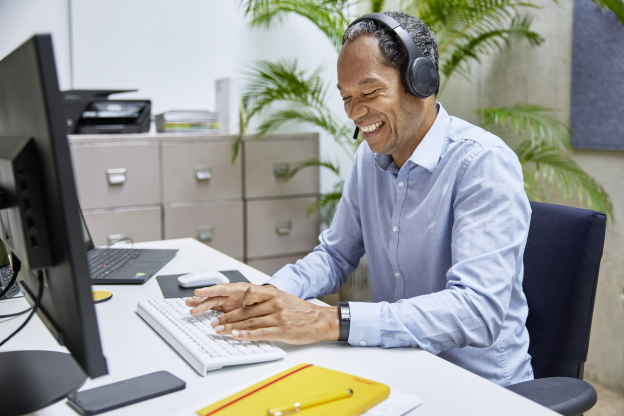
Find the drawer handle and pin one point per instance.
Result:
(115, 238)
(283, 227)
(281, 170)
(116, 176)
(203, 172)
(205, 232)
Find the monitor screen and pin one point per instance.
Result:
(32, 123)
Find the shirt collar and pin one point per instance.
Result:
(429, 151)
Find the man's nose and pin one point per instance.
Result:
(356, 110)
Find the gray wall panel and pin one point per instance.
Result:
(596, 115)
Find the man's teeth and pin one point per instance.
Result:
(372, 127)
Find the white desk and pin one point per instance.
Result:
(132, 348)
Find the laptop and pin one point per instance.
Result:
(122, 265)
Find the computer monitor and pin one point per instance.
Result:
(40, 225)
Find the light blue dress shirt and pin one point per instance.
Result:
(444, 238)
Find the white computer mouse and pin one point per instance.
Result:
(201, 279)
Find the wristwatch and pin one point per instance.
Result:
(344, 314)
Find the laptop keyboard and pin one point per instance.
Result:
(104, 262)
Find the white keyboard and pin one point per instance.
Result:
(196, 341)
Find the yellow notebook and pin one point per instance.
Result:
(301, 383)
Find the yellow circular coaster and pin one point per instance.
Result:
(100, 296)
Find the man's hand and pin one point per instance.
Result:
(258, 313)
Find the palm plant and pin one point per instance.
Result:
(466, 30)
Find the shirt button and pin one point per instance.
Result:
(397, 275)
(363, 343)
(395, 228)
(401, 184)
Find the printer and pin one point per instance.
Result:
(92, 112)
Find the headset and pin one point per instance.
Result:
(419, 74)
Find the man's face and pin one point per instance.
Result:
(375, 99)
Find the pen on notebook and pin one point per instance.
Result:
(295, 407)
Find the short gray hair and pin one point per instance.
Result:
(394, 52)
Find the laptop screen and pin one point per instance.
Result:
(4, 259)
(86, 235)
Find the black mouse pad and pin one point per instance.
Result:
(171, 288)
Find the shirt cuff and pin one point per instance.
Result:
(365, 328)
(285, 284)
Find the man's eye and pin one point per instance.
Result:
(370, 93)
(345, 99)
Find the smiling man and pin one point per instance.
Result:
(438, 206)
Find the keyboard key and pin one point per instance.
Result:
(196, 338)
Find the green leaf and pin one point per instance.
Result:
(616, 6)
(551, 163)
(321, 119)
(474, 46)
(327, 204)
(334, 167)
(544, 128)
(376, 6)
(269, 82)
(328, 16)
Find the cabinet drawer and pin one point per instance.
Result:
(266, 162)
(141, 224)
(195, 172)
(117, 175)
(274, 264)
(282, 226)
(218, 225)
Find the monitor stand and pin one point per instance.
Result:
(32, 380)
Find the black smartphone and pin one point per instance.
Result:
(123, 393)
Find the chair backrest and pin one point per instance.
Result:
(561, 264)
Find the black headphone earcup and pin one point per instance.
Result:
(423, 77)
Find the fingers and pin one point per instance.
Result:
(248, 324)
(229, 289)
(261, 334)
(258, 294)
(194, 301)
(247, 312)
(208, 304)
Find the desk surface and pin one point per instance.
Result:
(132, 348)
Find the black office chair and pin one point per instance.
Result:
(561, 264)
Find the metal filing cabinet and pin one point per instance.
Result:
(163, 186)
(200, 171)
(117, 174)
(278, 228)
(219, 225)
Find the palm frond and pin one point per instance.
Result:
(475, 46)
(327, 204)
(544, 128)
(551, 164)
(317, 118)
(376, 6)
(334, 167)
(617, 6)
(327, 15)
(304, 92)
(242, 123)
(268, 82)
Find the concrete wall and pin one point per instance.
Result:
(542, 75)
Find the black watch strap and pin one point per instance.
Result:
(344, 313)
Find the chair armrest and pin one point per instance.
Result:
(565, 395)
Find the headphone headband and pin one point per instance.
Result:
(419, 74)
(413, 52)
